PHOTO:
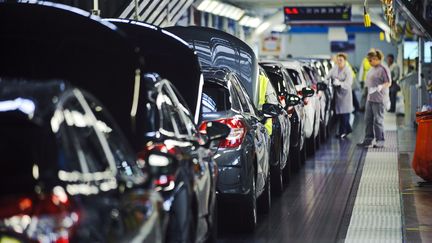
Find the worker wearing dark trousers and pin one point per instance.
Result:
(394, 88)
(377, 81)
(342, 77)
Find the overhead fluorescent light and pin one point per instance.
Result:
(221, 9)
(263, 27)
(218, 9)
(204, 4)
(212, 6)
(248, 21)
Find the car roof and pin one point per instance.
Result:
(220, 49)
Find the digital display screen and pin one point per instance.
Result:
(317, 13)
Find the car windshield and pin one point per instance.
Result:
(215, 98)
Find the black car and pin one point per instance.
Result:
(97, 56)
(286, 92)
(165, 125)
(243, 157)
(180, 158)
(280, 131)
(68, 174)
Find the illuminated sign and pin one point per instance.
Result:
(325, 13)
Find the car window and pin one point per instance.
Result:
(180, 115)
(295, 76)
(244, 95)
(240, 93)
(122, 152)
(307, 77)
(215, 98)
(172, 115)
(80, 139)
(165, 114)
(289, 83)
(277, 82)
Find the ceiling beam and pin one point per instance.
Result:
(256, 4)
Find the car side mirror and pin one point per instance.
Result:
(308, 92)
(270, 110)
(292, 100)
(322, 86)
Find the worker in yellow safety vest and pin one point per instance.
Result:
(267, 94)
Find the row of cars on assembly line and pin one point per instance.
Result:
(113, 130)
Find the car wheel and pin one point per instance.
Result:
(250, 208)
(277, 176)
(265, 198)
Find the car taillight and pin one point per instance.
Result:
(44, 219)
(300, 93)
(282, 99)
(306, 100)
(238, 130)
(203, 128)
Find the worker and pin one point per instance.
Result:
(342, 76)
(394, 88)
(364, 69)
(267, 95)
(377, 82)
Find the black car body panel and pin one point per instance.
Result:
(69, 44)
(219, 49)
(189, 189)
(95, 55)
(68, 166)
(167, 55)
(171, 124)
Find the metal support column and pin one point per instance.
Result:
(419, 83)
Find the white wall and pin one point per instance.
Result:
(307, 44)
(299, 45)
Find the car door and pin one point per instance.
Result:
(258, 130)
(103, 171)
(200, 157)
(139, 204)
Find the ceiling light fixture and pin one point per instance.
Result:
(221, 9)
(249, 21)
